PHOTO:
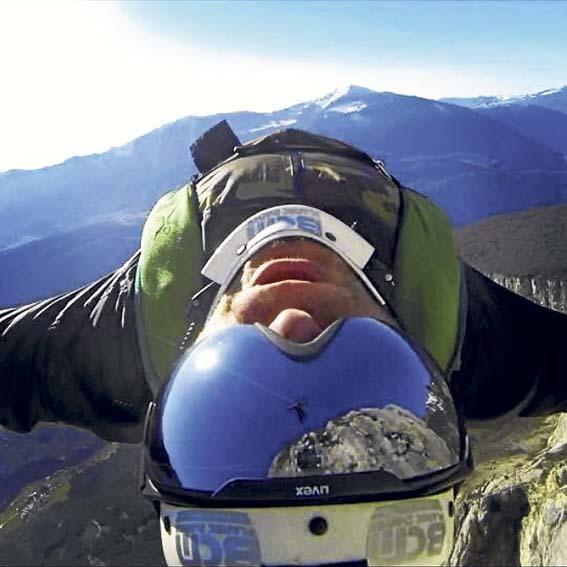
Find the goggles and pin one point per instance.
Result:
(288, 221)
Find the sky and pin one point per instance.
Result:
(81, 77)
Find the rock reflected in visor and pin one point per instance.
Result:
(372, 439)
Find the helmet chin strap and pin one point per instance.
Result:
(287, 221)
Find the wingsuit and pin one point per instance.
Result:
(95, 357)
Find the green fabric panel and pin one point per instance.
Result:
(428, 278)
(168, 274)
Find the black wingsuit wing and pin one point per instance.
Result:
(514, 355)
(74, 358)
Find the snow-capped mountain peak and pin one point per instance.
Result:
(348, 94)
(552, 91)
(554, 99)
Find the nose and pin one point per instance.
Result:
(296, 325)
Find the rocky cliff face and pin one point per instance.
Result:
(513, 509)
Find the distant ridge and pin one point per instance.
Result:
(543, 124)
(554, 99)
(469, 163)
(527, 243)
(65, 221)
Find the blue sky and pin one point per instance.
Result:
(432, 33)
(80, 77)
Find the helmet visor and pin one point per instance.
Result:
(243, 408)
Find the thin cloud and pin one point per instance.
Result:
(80, 77)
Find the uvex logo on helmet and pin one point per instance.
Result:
(314, 490)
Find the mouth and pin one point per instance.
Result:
(284, 269)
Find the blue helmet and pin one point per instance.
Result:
(347, 446)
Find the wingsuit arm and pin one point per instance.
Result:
(74, 358)
(514, 357)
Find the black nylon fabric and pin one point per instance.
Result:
(74, 358)
(515, 352)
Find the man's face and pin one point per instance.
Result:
(297, 288)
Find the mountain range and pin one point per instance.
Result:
(526, 244)
(475, 159)
(554, 99)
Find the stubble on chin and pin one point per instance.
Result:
(325, 302)
(221, 317)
